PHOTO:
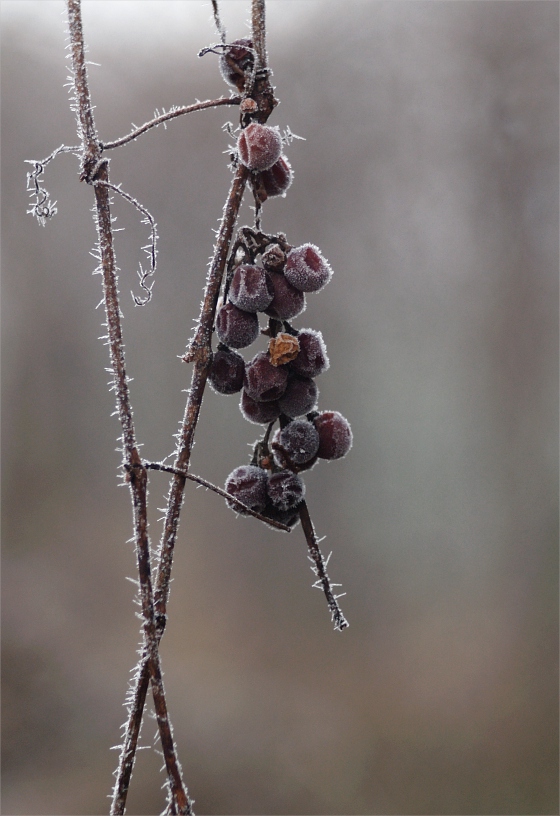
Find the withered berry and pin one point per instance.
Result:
(277, 179)
(306, 269)
(226, 372)
(285, 489)
(261, 413)
(300, 397)
(312, 359)
(273, 258)
(235, 328)
(287, 301)
(265, 382)
(335, 435)
(248, 484)
(297, 442)
(237, 61)
(259, 146)
(251, 288)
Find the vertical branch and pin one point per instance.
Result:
(200, 353)
(94, 169)
(259, 32)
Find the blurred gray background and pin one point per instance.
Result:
(429, 179)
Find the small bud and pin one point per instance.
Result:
(273, 259)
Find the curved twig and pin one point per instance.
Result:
(150, 249)
(171, 114)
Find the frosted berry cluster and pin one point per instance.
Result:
(268, 276)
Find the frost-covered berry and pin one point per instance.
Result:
(335, 435)
(248, 484)
(285, 489)
(312, 359)
(277, 179)
(226, 372)
(273, 258)
(297, 442)
(235, 328)
(261, 413)
(259, 146)
(287, 301)
(237, 61)
(306, 269)
(300, 397)
(265, 382)
(251, 288)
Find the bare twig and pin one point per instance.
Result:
(94, 168)
(171, 114)
(320, 569)
(204, 483)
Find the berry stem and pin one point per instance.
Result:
(320, 569)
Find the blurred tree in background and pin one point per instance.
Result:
(429, 179)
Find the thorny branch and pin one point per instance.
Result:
(171, 114)
(200, 354)
(93, 168)
(320, 569)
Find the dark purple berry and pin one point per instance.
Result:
(263, 381)
(285, 489)
(335, 435)
(306, 269)
(300, 397)
(277, 179)
(248, 484)
(259, 146)
(288, 517)
(296, 443)
(312, 359)
(287, 301)
(226, 372)
(273, 258)
(261, 413)
(251, 288)
(237, 61)
(235, 328)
